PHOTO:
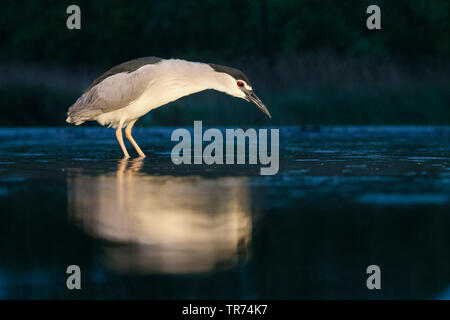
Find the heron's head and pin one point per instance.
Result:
(234, 82)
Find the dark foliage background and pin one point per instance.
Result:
(311, 61)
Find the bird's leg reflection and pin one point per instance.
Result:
(129, 167)
(163, 224)
(126, 167)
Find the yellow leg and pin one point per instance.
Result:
(129, 137)
(120, 139)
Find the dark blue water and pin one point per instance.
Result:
(344, 198)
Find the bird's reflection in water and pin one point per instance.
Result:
(163, 224)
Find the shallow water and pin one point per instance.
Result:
(344, 198)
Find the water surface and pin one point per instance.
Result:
(344, 198)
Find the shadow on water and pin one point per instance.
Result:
(344, 198)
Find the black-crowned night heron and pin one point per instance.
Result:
(129, 90)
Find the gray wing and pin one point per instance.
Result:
(114, 92)
(127, 67)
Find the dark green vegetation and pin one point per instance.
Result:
(310, 61)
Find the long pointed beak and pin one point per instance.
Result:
(251, 96)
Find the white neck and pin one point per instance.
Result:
(172, 79)
(186, 77)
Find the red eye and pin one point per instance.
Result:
(240, 84)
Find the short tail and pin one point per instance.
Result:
(79, 113)
(84, 109)
(74, 120)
